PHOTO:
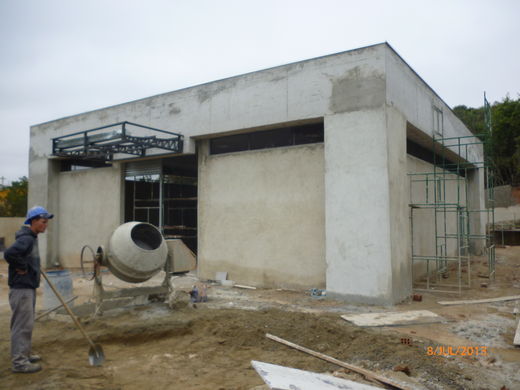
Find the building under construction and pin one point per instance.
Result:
(345, 172)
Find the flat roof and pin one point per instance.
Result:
(249, 73)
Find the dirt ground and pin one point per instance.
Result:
(211, 346)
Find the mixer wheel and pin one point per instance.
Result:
(88, 265)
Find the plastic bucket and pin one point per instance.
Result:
(62, 281)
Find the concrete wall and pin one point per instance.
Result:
(505, 214)
(507, 203)
(8, 227)
(89, 210)
(261, 216)
(505, 196)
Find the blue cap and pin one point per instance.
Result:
(37, 212)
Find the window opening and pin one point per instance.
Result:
(284, 136)
(438, 121)
(164, 193)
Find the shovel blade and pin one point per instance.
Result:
(96, 356)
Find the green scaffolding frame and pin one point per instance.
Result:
(455, 242)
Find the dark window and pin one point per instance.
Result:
(285, 136)
(309, 134)
(270, 139)
(422, 153)
(232, 143)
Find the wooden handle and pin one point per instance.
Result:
(366, 373)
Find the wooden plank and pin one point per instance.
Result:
(370, 375)
(393, 318)
(474, 301)
(286, 378)
(516, 340)
(245, 287)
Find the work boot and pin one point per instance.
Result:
(28, 368)
(34, 358)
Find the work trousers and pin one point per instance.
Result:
(22, 301)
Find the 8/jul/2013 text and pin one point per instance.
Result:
(462, 350)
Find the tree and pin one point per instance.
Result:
(504, 142)
(13, 199)
(473, 118)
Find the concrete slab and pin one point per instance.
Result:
(475, 301)
(516, 341)
(393, 318)
(282, 378)
(221, 275)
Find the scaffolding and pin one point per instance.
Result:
(462, 225)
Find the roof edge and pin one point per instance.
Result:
(424, 82)
(219, 80)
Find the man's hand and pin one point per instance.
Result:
(20, 271)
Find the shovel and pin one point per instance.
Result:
(96, 357)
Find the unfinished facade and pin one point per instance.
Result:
(294, 177)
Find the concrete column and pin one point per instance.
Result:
(400, 229)
(476, 201)
(367, 226)
(53, 195)
(44, 191)
(357, 218)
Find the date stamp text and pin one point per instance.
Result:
(461, 350)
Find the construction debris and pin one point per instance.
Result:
(219, 276)
(286, 378)
(417, 297)
(369, 375)
(198, 293)
(516, 340)
(227, 283)
(475, 301)
(403, 368)
(398, 318)
(316, 292)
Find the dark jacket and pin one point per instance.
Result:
(24, 255)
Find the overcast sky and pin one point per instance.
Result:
(63, 57)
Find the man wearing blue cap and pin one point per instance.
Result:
(24, 278)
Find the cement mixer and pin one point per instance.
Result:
(135, 252)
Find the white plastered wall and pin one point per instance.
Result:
(261, 216)
(89, 211)
(8, 228)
